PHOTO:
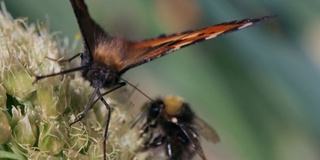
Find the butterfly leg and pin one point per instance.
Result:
(117, 86)
(91, 102)
(65, 60)
(88, 107)
(107, 124)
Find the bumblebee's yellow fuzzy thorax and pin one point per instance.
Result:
(173, 105)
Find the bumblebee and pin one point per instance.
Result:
(170, 123)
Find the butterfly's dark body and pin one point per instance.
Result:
(95, 40)
(106, 58)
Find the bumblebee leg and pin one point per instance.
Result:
(169, 150)
(158, 141)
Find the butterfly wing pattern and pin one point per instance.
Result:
(148, 50)
(122, 55)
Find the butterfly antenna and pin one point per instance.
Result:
(136, 88)
(37, 78)
(258, 20)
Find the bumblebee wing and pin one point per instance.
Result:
(205, 130)
(148, 50)
(194, 139)
(141, 116)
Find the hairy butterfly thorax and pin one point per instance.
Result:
(100, 75)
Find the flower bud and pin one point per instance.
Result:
(71, 154)
(25, 132)
(5, 129)
(16, 116)
(78, 137)
(3, 97)
(52, 137)
(52, 97)
(42, 156)
(17, 82)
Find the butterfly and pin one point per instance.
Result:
(107, 57)
(169, 122)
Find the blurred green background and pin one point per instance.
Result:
(259, 87)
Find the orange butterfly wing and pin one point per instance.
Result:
(122, 55)
(94, 37)
(145, 51)
(86, 24)
(98, 44)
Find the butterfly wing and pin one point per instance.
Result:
(91, 31)
(100, 46)
(123, 55)
(145, 51)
